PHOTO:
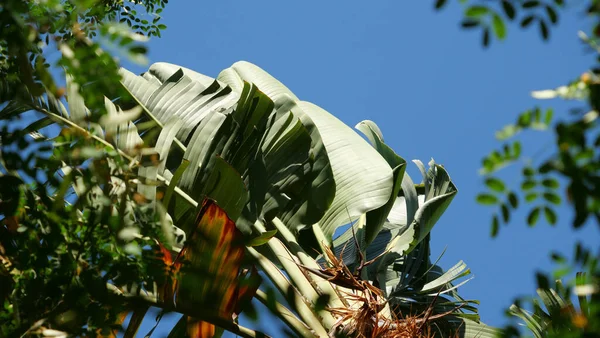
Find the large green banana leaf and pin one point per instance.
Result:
(278, 155)
(363, 179)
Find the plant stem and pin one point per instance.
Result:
(336, 300)
(293, 296)
(62, 120)
(285, 314)
(195, 312)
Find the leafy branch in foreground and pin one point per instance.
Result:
(572, 162)
(32, 31)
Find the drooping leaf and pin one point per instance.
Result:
(363, 180)
(552, 15)
(376, 218)
(499, 26)
(550, 215)
(495, 226)
(527, 21)
(211, 260)
(505, 213)
(528, 184)
(509, 9)
(476, 11)
(550, 183)
(495, 184)
(552, 198)
(513, 200)
(534, 214)
(442, 192)
(487, 199)
(544, 31)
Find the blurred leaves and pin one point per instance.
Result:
(56, 201)
(572, 162)
(494, 16)
(32, 30)
(49, 264)
(536, 183)
(554, 313)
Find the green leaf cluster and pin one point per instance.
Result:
(493, 17)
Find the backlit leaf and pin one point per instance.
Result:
(262, 239)
(211, 261)
(528, 184)
(534, 214)
(550, 215)
(487, 199)
(499, 27)
(495, 184)
(530, 197)
(476, 11)
(552, 198)
(550, 183)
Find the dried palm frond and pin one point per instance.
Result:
(363, 317)
(339, 274)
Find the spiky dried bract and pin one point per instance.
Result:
(362, 317)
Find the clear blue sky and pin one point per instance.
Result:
(430, 86)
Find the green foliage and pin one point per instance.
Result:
(537, 186)
(31, 30)
(493, 17)
(573, 163)
(73, 221)
(556, 315)
(59, 249)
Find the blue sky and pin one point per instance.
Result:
(430, 86)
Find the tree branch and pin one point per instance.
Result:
(195, 312)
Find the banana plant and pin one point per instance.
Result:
(282, 175)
